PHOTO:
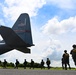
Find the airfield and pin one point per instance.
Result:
(36, 72)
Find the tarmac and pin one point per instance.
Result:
(36, 72)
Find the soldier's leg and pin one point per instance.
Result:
(75, 61)
(65, 66)
(69, 66)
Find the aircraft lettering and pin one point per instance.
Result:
(21, 24)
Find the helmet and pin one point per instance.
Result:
(65, 50)
(74, 46)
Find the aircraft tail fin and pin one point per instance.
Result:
(22, 28)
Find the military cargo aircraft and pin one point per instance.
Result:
(18, 37)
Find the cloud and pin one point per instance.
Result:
(53, 50)
(13, 8)
(63, 4)
(46, 46)
(54, 26)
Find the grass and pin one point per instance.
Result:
(52, 68)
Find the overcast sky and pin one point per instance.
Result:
(53, 24)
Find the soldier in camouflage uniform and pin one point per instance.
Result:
(42, 64)
(48, 63)
(73, 53)
(66, 59)
(4, 63)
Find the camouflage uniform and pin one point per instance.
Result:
(66, 59)
(4, 63)
(25, 63)
(42, 64)
(32, 64)
(48, 63)
(73, 53)
(17, 64)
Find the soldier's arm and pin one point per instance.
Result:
(71, 51)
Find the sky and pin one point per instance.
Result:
(53, 24)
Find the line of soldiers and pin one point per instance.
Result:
(65, 57)
(48, 62)
(31, 64)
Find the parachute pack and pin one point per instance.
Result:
(66, 55)
(74, 50)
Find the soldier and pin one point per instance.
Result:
(48, 63)
(32, 64)
(42, 64)
(17, 63)
(66, 59)
(73, 53)
(4, 63)
(25, 63)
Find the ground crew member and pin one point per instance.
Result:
(66, 59)
(73, 53)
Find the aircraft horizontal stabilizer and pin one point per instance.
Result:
(11, 38)
(24, 50)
